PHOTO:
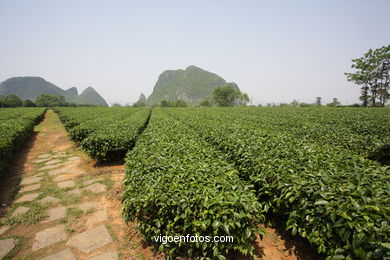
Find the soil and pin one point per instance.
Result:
(50, 137)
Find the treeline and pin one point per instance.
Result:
(372, 73)
(224, 96)
(318, 103)
(44, 100)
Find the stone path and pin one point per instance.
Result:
(61, 210)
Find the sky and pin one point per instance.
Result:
(276, 51)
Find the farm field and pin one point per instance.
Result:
(321, 172)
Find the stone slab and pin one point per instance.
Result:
(112, 255)
(63, 255)
(96, 188)
(90, 240)
(4, 229)
(74, 158)
(55, 161)
(31, 180)
(40, 160)
(49, 167)
(49, 237)
(19, 211)
(66, 184)
(97, 217)
(89, 182)
(50, 200)
(88, 206)
(55, 214)
(30, 188)
(76, 192)
(63, 178)
(46, 155)
(58, 171)
(28, 197)
(6, 246)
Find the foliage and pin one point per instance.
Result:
(226, 96)
(47, 100)
(10, 101)
(176, 103)
(177, 184)
(16, 126)
(328, 194)
(28, 103)
(106, 134)
(372, 74)
(335, 103)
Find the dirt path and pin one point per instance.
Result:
(67, 208)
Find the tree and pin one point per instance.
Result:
(11, 101)
(227, 96)
(294, 103)
(372, 74)
(318, 101)
(224, 96)
(335, 103)
(28, 103)
(205, 103)
(48, 100)
(164, 103)
(242, 99)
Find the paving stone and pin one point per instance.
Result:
(31, 180)
(6, 246)
(49, 167)
(30, 188)
(55, 161)
(40, 160)
(50, 200)
(63, 255)
(112, 255)
(74, 158)
(20, 210)
(97, 187)
(28, 197)
(3, 229)
(55, 214)
(49, 237)
(90, 240)
(87, 206)
(46, 155)
(40, 174)
(76, 192)
(63, 178)
(88, 182)
(97, 217)
(65, 184)
(58, 171)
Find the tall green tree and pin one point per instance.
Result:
(318, 101)
(48, 100)
(227, 96)
(11, 101)
(372, 74)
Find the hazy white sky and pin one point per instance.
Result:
(276, 51)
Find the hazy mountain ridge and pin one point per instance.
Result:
(32, 87)
(191, 85)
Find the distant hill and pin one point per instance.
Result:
(31, 87)
(90, 96)
(142, 98)
(191, 85)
